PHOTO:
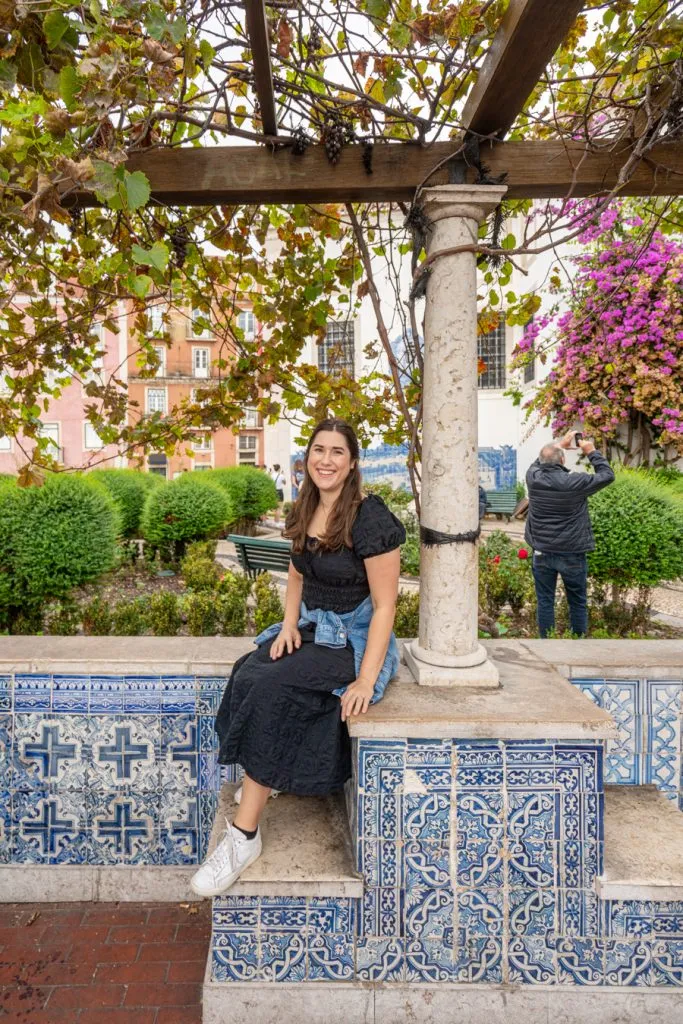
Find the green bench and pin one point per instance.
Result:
(258, 554)
(501, 503)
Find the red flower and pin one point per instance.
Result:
(496, 560)
(522, 553)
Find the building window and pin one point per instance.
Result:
(250, 419)
(199, 467)
(491, 350)
(336, 353)
(246, 449)
(92, 439)
(201, 397)
(198, 325)
(202, 442)
(156, 400)
(51, 431)
(160, 351)
(156, 319)
(157, 463)
(200, 362)
(5, 443)
(246, 323)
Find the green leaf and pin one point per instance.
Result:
(207, 53)
(69, 86)
(55, 24)
(104, 183)
(141, 285)
(156, 22)
(178, 30)
(8, 74)
(137, 189)
(509, 242)
(156, 257)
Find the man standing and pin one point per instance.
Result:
(559, 529)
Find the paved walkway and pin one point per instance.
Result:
(102, 963)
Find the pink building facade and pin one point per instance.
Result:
(74, 442)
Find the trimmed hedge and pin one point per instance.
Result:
(252, 492)
(129, 489)
(186, 509)
(55, 537)
(638, 531)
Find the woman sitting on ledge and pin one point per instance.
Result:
(283, 712)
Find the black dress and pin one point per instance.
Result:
(280, 719)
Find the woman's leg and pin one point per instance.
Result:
(254, 799)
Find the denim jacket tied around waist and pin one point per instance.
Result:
(336, 629)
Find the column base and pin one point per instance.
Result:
(425, 674)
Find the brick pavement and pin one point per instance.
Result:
(102, 963)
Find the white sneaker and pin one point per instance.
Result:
(233, 854)
(238, 794)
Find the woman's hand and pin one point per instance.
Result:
(287, 639)
(356, 698)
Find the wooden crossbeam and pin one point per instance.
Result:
(236, 175)
(528, 36)
(257, 30)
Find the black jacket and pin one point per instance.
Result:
(558, 517)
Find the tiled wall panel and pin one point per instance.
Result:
(107, 769)
(649, 716)
(479, 860)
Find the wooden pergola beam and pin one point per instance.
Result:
(257, 31)
(529, 34)
(237, 175)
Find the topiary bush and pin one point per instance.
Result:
(407, 621)
(63, 618)
(202, 614)
(163, 615)
(55, 538)
(269, 607)
(252, 493)
(232, 597)
(96, 617)
(129, 618)
(129, 489)
(189, 508)
(638, 531)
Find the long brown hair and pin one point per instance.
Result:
(338, 532)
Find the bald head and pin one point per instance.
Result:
(551, 455)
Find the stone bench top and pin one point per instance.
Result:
(533, 702)
(643, 845)
(306, 848)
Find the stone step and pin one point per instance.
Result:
(306, 848)
(643, 845)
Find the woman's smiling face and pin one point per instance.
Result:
(329, 461)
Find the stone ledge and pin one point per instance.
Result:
(306, 848)
(614, 659)
(67, 883)
(643, 845)
(534, 701)
(441, 1003)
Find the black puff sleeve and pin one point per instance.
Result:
(376, 529)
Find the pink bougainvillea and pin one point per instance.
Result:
(618, 367)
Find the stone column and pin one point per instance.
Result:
(447, 652)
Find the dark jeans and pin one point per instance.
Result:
(573, 568)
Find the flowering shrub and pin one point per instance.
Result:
(505, 577)
(619, 343)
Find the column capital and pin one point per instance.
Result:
(474, 202)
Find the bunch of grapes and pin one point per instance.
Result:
(300, 142)
(179, 239)
(333, 136)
